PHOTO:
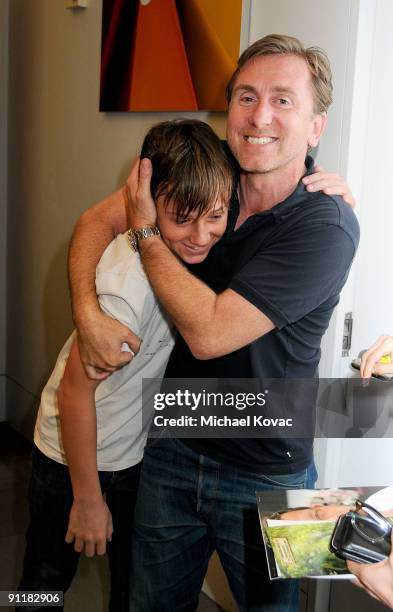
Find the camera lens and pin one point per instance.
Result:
(370, 523)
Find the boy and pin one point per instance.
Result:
(88, 437)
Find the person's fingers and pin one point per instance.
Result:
(378, 345)
(318, 168)
(337, 189)
(349, 199)
(145, 172)
(356, 582)
(132, 181)
(370, 358)
(383, 368)
(322, 177)
(145, 169)
(133, 342)
(331, 184)
(78, 544)
(69, 537)
(95, 374)
(327, 186)
(125, 356)
(90, 549)
(109, 530)
(101, 547)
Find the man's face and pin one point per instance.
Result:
(191, 238)
(271, 121)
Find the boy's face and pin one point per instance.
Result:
(191, 238)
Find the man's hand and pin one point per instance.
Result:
(142, 210)
(101, 342)
(90, 527)
(331, 184)
(375, 578)
(378, 359)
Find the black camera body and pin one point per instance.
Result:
(362, 538)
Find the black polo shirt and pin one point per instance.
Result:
(291, 262)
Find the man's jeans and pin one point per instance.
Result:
(50, 563)
(189, 505)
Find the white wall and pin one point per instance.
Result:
(373, 289)
(319, 23)
(374, 286)
(3, 196)
(369, 169)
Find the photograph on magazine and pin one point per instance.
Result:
(301, 528)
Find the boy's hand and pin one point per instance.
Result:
(329, 183)
(89, 527)
(101, 339)
(141, 205)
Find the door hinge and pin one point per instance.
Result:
(347, 334)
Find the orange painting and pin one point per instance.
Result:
(168, 55)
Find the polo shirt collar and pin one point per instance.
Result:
(282, 209)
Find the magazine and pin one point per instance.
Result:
(297, 526)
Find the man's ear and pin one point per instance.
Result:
(318, 125)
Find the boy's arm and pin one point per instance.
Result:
(100, 337)
(90, 522)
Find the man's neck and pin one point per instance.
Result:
(260, 192)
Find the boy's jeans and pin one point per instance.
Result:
(50, 563)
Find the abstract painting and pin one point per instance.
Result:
(168, 55)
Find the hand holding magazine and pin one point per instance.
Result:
(297, 526)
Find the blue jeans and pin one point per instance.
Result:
(189, 505)
(50, 563)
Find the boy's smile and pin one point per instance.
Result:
(191, 238)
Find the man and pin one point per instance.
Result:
(271, 288)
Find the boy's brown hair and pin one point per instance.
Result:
(190, 166)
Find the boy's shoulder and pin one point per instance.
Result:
(120, 258)
(122, 286)
(120, 273)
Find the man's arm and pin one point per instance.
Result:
(90, 522)
(214, 325)
(202, 317)
(211, 324)
(100, 336)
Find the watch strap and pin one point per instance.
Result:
(135, 236)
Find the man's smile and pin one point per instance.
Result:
(259, 140)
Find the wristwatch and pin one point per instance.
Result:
(135, 236)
